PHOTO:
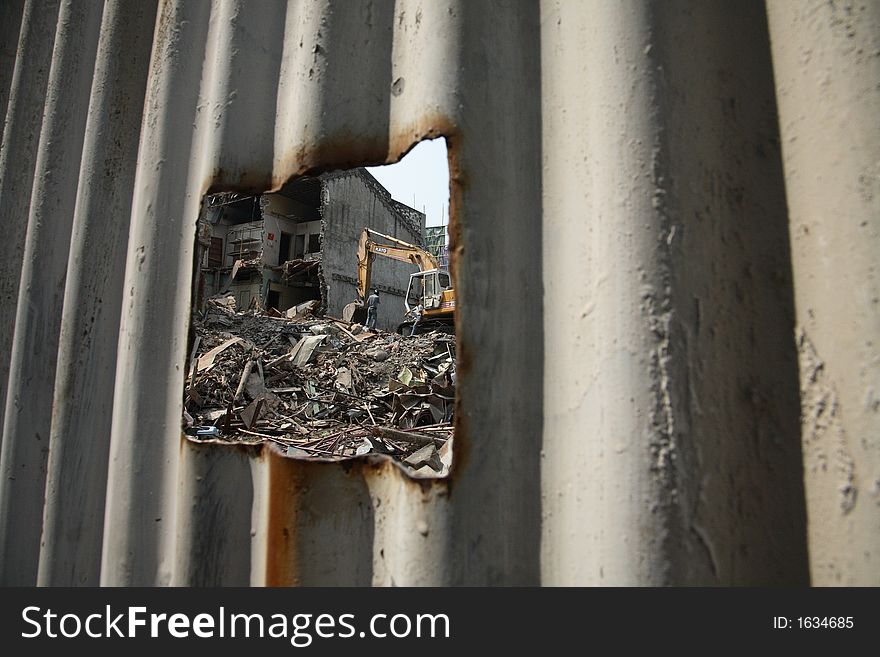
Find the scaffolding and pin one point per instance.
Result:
(245, 242)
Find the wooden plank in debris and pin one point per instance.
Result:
(251, 414)
(404, 436)
(192, 360)
(302, 352)
(206, 360)
(302, 309)
(286, 390)
(244, 377)
(254, 385)
(344, 328)
(227, 420)
(213, 414)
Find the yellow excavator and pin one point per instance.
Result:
(430, 287)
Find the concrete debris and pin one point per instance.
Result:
(378, 354)
(303, 309)
(427, 455)
(320, 387)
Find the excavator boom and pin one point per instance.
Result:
(392, 248)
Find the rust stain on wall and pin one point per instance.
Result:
(286, 480)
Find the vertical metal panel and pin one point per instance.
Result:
(425, 61)
(671, 400)
(83, 404)
(260, 552)
(240, 78)
(312, 539)
(352, 58)
(298, 98)
(607, 414)
(827, 62)
(31, 381)
(139, 528)
(412, 545)
(18, 155)
(11, 13)
(214, 500)
(496, 182)
(333, 90)
(738, 508)
(301, 534)
(627, 374)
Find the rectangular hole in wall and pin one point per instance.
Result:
(323, 317)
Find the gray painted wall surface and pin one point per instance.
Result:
(349, 205)
(684, 194)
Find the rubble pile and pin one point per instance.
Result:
(320, 387)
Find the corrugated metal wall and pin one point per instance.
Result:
(666, 225)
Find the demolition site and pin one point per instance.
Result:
(323, 322)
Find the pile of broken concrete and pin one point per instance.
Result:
(321, 388)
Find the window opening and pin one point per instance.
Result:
(324, 316)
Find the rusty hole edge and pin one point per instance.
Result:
(335, 154)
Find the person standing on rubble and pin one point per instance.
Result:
(416, 314)
(372, 309)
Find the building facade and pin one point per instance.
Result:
(437, 244)
(299, 244)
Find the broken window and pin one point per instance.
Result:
(414, 293)
(283, 352)
(284, 249)
(314, 243)
(215, 254)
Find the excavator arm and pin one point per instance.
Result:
(390, 247)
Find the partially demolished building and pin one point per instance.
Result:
(299, 244)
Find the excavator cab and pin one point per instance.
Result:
(415, 291)
(426, 288)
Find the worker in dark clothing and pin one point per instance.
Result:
(372, 309)
(416, 313)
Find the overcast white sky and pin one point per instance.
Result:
(421, 180)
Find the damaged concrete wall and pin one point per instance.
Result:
(273, 226)
(629, 314)
(354, 200)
